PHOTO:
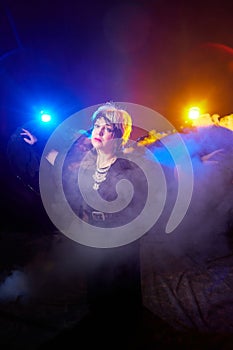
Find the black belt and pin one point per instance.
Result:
(100, 216)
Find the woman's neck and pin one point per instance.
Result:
(105, 159)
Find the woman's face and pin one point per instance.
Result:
(102, 137)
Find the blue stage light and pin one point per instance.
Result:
(45, 117)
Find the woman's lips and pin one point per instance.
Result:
(98, 140)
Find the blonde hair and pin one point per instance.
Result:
(118, 117)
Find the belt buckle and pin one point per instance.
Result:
(98, 216)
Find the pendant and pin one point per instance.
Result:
(96, 186)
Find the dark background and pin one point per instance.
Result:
(68, 55)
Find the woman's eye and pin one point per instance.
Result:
(108, 129)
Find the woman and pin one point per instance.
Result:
(113, 274)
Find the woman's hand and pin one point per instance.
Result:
(29, 138)
(208, 158)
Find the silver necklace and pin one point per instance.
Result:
(100, 174)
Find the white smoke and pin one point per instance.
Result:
(202, 231)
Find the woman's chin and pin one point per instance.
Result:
(96, 144)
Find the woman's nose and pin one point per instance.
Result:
(101, 131)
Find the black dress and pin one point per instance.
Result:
(113, 274)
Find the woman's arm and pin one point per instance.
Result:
(32, 139)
